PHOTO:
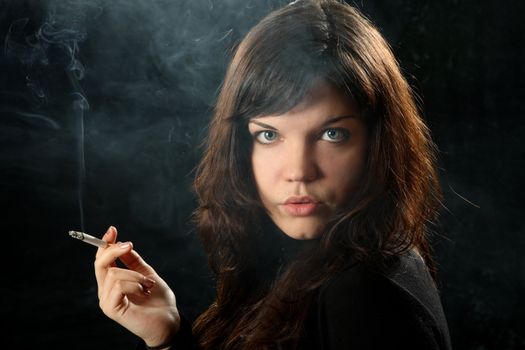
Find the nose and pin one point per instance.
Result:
(301, 164)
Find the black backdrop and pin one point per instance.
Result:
(103, 105)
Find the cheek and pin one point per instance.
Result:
(343, 172)
(263, 171)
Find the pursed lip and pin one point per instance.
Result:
(301, 205)
(300, 200)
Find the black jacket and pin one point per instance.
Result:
(362, 308)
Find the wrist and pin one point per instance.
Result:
(164, 339)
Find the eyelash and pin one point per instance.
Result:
(345, 135)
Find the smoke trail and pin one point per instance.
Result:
(63, 30)
(30, 53)
(156, 82)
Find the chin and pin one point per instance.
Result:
(301, 231)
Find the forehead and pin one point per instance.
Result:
(322, 103)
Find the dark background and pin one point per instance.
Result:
(103, 105)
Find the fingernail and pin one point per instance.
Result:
(108, 231)
(125, 245)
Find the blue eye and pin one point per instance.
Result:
(335, 135)
(266, 136)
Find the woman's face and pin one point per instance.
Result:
(308, 162)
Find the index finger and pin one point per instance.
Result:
(133, 261)
(106, 259)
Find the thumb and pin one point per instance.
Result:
(134, 261)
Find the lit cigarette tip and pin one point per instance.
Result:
(76, 234)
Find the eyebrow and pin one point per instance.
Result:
(326, 123)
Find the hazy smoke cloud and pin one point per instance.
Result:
(127, 87)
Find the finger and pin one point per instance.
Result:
(119, 294)
(133, 261)
(110, 236)
(106, 259)
(115, 274)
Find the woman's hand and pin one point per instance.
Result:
(135, 297)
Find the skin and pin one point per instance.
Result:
(317, 149)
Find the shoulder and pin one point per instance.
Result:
(398, 306)
(405, 280)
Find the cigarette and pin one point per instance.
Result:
(88, 239)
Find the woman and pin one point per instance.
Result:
(316, 144)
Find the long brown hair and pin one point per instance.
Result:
(272, 70)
